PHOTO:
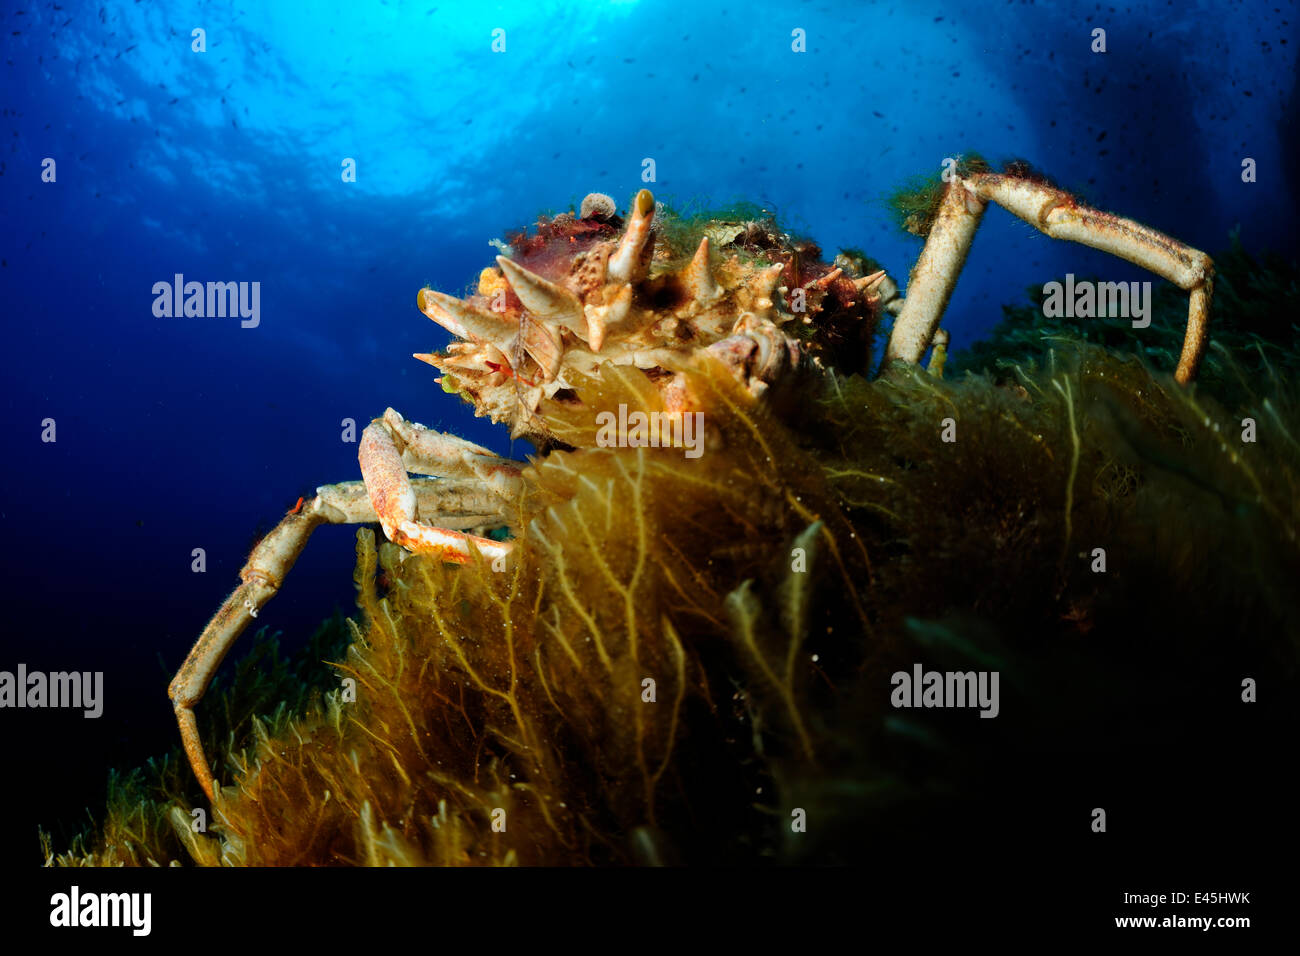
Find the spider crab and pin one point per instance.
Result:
(590, 289)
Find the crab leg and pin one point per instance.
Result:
(470, 495)
(261, 578)
(1061, 216)
(392, 446)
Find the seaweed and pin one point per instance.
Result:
(139, 826)
(684, 655)
(747, 229)
(685, 658)
(915, 204)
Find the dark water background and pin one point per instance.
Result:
(180, 433)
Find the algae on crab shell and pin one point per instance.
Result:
(682, 653)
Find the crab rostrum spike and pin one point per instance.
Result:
(629, 261)
(600, 318)
(542, 297)
(467, 322)
(698, 277)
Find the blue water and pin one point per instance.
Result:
(183, 433)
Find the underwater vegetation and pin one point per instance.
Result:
(683, 655)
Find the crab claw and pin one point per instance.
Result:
(394, 499)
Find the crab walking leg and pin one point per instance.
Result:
(429, 452)
(1061, 216)
(395, 503)
(460, 504)
(261, 578)
(935, 274)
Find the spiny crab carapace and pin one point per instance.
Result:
(589, 289)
